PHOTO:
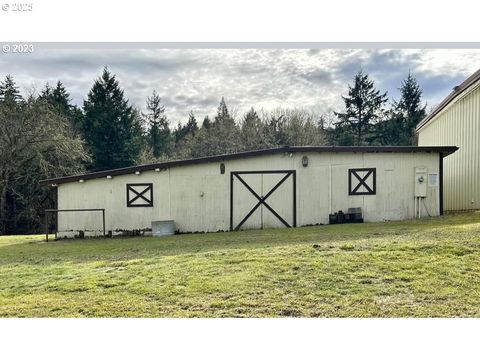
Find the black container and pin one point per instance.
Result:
(355, 214)
(332, 218)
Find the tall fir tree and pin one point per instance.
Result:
(207, 123)
(364, 107)
(61, 100)
(224, 131)
(184, 136)
(191, 127)
(58, 97)
(11, 104)
(9, 90)
(403, 117)
(110, 126)
(410, 108)
(183, 132)
(223, 114)
(159, 134)
(253, 132)
(219, 136)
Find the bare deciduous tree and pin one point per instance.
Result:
(35, 143)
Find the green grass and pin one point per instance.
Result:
(411, 268)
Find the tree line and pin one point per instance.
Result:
(45, 135)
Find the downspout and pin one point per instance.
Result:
(440, 187)
(169, 196)
(330, 187)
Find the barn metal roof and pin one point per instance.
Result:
(457, 90)
(444, 150)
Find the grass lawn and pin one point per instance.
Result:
(410, 268)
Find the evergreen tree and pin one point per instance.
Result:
(224, 132)
(363, 108)
(207, 123)
(183, 132)
(191, 127)
(410, 109)
(178, 133)
(253, 133)
(158, 130)
(404, 116)
(60, 99)
(223, 115)
(46, 93)
(9, 90)
(110, 126)
(218, 137)
(184, 136)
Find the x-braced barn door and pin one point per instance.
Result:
(263, 199)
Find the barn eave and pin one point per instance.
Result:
(443, 150)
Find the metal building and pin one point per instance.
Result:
(456, 121)
(280, 187)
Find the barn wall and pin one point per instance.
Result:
(197, 196)
(458, 124)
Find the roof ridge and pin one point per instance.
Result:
(457, 90)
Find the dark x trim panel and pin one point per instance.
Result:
(146, 194)
(262, 200)
(362, 180)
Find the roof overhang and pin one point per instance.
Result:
(443, 150)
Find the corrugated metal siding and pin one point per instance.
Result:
(459, 125)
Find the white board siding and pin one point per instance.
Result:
(197, 197)
(458, 124)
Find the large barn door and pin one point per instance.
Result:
(262, 199)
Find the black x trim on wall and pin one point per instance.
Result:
(262, 199)
(134, 194)
(362, 181)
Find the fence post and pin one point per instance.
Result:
(46, 226)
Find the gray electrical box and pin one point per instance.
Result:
(421, 175)
(163, 228)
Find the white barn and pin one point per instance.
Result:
(280, 187)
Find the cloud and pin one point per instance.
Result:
(196, 79)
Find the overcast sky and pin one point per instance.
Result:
(196, 79)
